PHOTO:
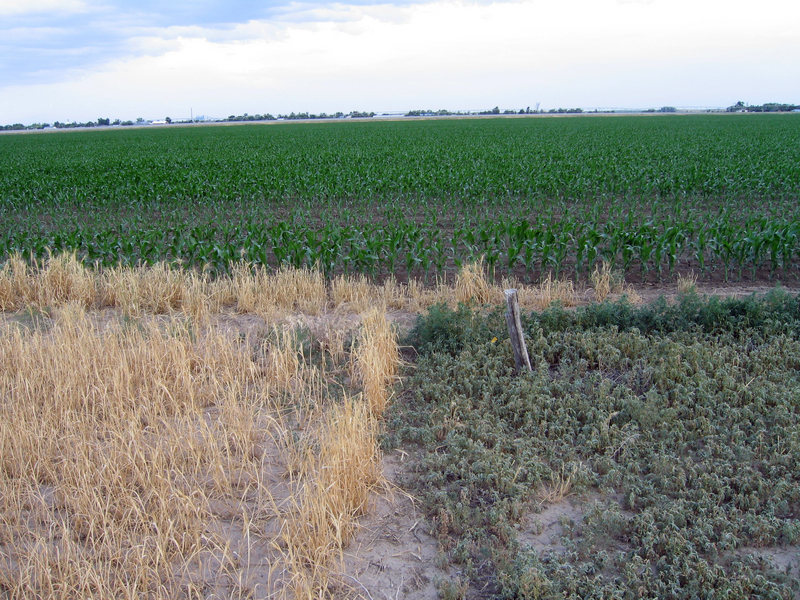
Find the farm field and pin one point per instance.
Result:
(717, 194)
(271, 361)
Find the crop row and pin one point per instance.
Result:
(564, 247)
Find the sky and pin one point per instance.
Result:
(79, 60)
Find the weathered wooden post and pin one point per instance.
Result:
(515, 331)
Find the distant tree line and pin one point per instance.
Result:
(442, 112)
(293, 116)
(21, 127)
(738, 107)
(246, 117)
(494, 111)
(766, 107)
(361, 115)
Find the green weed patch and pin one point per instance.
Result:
(676, 427)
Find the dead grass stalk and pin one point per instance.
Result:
(376, 359)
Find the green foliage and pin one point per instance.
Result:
(777, 312)
(678, 426)
(446, 330)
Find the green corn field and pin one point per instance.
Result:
(717, 194)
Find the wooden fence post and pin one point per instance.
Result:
(515, 331)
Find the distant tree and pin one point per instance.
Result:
(168, 120)
(766, 107)
(668, 109)
(104, 121)
(139, 120)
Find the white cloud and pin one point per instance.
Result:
(446, 54)
(23, 7)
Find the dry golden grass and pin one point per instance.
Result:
(13, 281)
(606, 282)
(541, 296)
(271, 295)
(687, 283)
(342, 476)
(61, 279)
(132, 448)
(158, 289)
(108, 457)
(559, 487)
(472, 284)
(285, 358)
(601, 278)
(376, 359)
(355, 293)
(257, 290)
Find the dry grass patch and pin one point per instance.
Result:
(108, 461)
(559, 486)
(59, 280)
(687, 283)
(340, 478)
(249, 289)
(376, 359)
(540, 297)
(603, 281)
(606, 282)
(142, 290)
(472, 283)
(355, 294)
(134, 454)
(255, 289)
